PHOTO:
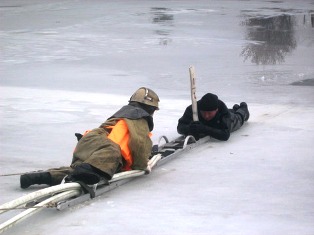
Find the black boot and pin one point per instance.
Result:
(236, 107)
(243, 105)
(243, 111)
(27, 180)
(87, 174)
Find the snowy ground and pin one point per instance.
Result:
(66, 66)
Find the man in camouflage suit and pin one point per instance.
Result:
(97, 156)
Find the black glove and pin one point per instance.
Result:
(195, 129)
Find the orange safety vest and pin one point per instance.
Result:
(121, 136)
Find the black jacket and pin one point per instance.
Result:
(218, 127)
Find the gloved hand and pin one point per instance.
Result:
(195, 129)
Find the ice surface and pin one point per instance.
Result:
(66, 66)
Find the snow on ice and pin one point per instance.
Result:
(66, 66)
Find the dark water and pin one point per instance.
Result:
(101, 47)
(276, 37)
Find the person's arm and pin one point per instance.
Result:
(184, 122)
(219, 134)
(140, 143)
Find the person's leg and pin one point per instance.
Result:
(95, 157)
(244, 111)
(50, 177)
(107, 160)
(239, 115)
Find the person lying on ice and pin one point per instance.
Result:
(215, 119)
(121, 143)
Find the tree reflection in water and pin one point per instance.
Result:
(164, 19)
(273, 39)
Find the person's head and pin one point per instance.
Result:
(208, 106)
(146, 98)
